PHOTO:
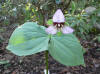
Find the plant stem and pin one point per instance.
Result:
(46, 55)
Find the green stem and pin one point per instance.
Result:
(46, 55)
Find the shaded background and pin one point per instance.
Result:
(82, 15)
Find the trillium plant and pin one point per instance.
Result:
(58, 40)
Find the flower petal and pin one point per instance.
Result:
(67, 30)
(58, 16)
(51, 30)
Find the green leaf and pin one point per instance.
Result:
(73, 5)
(66, 49)
(84, 50)
(58, 1)
(98, 38)
(4, 62)
(28, 39)
(50, 22)
(98, 49)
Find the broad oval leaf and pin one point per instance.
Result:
(66, 49)
(28, 39)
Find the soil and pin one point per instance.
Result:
(35, 64)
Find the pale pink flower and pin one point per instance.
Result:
(58, 24)
(58, 16)
(51, 30)
(67, 30)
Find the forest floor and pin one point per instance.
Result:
(35, 64)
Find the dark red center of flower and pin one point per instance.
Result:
(58, 25)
